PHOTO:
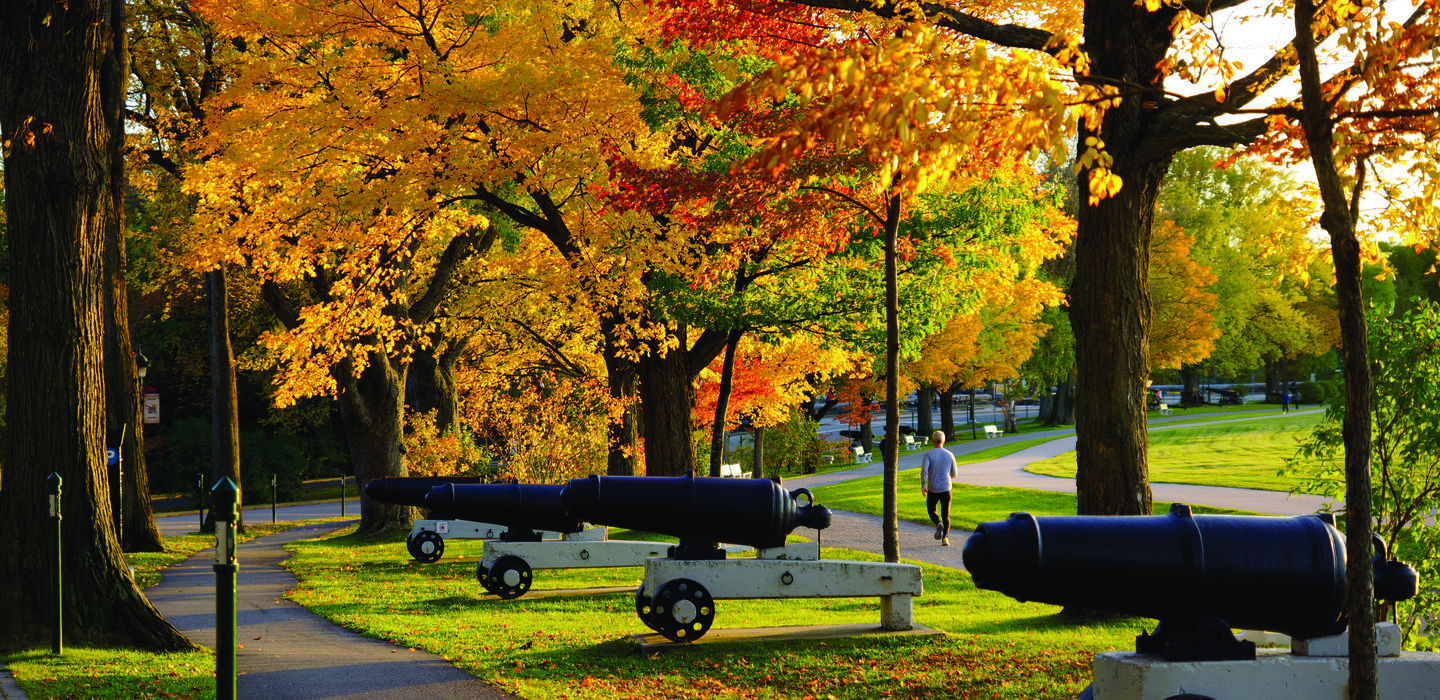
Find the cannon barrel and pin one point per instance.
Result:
(410, 490)
(514, 505)
(754, 512)
(1261, 573)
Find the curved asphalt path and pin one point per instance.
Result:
(288, 651)
(859, 531)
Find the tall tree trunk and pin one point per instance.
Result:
(924, 402)
(947, 412)
(867, 431)
(623, 433)
(970, 413)
(1063, 412)
(1190, 386)
(622, 381)
(727, 375)
(373, 410)
(1110, 295)
(1272, 381)
(431, 382)
(224, 405)
(58, 201)
(666, 398)
(757, 457)
(890, 528)
(1338, 218)
(124, 422)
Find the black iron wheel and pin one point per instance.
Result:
(509, 577)
(642, 607)
(482, 575)
(682, 610)
(427, 546)
(410, 544)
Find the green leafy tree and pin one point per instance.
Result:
(1404, 457)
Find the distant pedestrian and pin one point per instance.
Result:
(937, 468)
(1285, 401)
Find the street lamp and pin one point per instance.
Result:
(142, 365)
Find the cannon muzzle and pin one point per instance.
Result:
(701, 511)
(410, 490)
(523, 508)
(1260, 573)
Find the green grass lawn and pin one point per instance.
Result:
(1245, 454)
(969, 505)
(90, 672)
(578, 646)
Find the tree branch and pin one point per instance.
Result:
(280, 305)
(457, 251)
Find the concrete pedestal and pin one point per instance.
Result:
(1275, 673)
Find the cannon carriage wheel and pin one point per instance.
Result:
(482, 575)
(681, 611)
(427, 546)
(509, 577)
(642, 608)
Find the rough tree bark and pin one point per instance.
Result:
(757, 457)
(925, 403)
(947, 412)
(431, 380)
(623, 432)
(666, 399)
(372, 408)
(124, 421)
(722, 403)
(1338, 217)
(372, 414)
(58, 202)
(890, 527)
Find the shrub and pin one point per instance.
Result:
(1405, 454)
(1312, 392)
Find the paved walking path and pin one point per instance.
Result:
(1010, 471)
(860, 531)
(290, 652)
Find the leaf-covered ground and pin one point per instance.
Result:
(578, 646)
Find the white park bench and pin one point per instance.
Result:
(861, 456)
(909, 441)
(1164, 409)
(732, 471)
(993, 432)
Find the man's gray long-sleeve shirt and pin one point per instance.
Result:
(937, 468)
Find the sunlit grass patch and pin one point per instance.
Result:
(83, 672)
(577, 645)
(969, 505)
(1242, 454)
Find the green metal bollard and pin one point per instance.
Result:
(57, 642)
(200, 498)
(272, 498)
(342, 495)
(224, 499)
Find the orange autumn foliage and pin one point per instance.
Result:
(1182, 329)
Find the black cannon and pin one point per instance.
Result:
(701, 511)
(411, 490)
(1198, 575)
(1227, 396)
(522, 508)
